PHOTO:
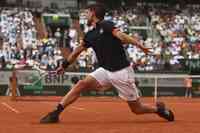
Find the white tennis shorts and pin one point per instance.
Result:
(123, 80)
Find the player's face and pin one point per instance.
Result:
(89, 15)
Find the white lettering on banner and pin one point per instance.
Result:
(56, 79)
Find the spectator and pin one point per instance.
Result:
(188, 87)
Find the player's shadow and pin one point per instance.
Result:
(121, 122)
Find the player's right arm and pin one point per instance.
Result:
(71, 58)
(84, 44)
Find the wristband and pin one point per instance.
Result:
(65, 64)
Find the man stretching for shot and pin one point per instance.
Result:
(115, 70)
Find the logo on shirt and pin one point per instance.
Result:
(101, 31)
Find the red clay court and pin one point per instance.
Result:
(96, 115)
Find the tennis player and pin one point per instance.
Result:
(115, 70)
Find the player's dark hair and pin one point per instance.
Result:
(99, 10)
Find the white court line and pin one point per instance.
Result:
(84, 109)
(78, 108)
(9, 107)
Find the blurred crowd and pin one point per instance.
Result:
(172, 33)
(20, 46)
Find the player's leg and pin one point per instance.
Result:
(124, 82)
(83, 85)
(138, 107)
(95, 80)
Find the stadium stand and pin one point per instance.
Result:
(172, 33)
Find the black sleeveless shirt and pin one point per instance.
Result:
(109, 49)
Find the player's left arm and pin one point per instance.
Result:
(126, 39)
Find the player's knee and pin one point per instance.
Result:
(82, 85)
(137, 111)
(136, 107)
